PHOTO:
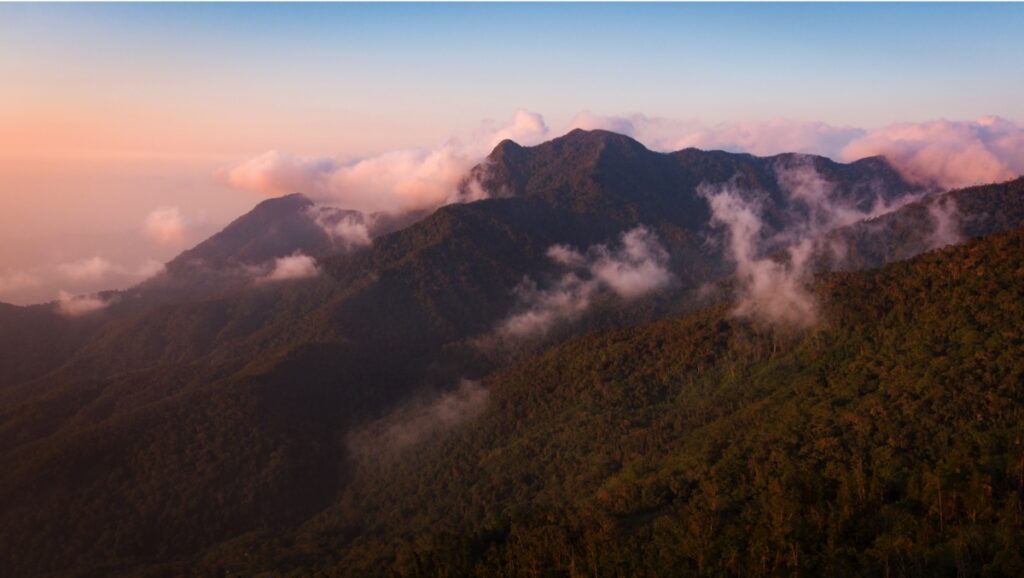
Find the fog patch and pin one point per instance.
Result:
(292, 267)
(71, 305)
(637, 266)
(420, 420)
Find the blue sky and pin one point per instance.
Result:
(435, 68)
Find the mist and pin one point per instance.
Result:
(635, 267)
(420, 420)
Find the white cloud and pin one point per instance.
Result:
(296, 266)
(775, 289)
(347, 229)
(638, 266)
(542, 309)
(78, 305)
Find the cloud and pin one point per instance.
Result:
(946, 219)
(948, 153)
(767, 289)
(937, 153)
(89, 269)
(759, 138)
(78, 305)
(346, 228)
(395, 182)
(633, 270)
(542, 309)
(774, 268)
(165, 225)
(296, 266)
(420, 420)
(638, 266)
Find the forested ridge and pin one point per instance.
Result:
(886, 441)
(367, 421)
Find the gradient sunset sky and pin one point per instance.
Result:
(110, 114)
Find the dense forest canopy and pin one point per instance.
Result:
(574, 377)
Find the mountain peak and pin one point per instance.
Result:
(292, 202)
(274, 228)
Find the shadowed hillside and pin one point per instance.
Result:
(201, 418)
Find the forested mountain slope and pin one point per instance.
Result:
(885, 441)
(158, 428)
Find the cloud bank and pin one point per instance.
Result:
(774, 268)
(638, 266)
(399, 181)
(947, 153)
(757, 138)
(939, 153)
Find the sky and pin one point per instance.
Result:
(130, 132)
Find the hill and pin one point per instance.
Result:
(885, 441)
(204, 417)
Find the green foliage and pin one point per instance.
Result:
(886, 442)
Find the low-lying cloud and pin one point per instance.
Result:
(774, 268)
(636, 267)
(420, 420)
(946, 222)
(773, 291)
(71, 305)
(395, 182)
(939, 153)
(292, 267)
(347, 229)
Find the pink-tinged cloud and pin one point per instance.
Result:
(399, 181)
(759, 138)
(297, 266)
(637, 267)
(165, 225)
(78, 305)
(948, 153)
(941, 153)
(937, 153)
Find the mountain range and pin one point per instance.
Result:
(576, 375)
